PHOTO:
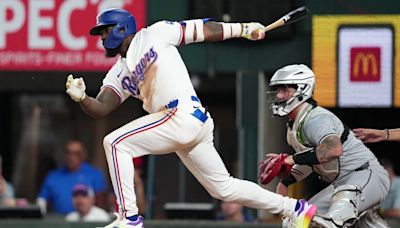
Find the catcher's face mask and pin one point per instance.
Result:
(280, 97)
(293, 85)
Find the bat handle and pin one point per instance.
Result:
(274, 25)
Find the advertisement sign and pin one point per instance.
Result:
(53, 35)
(355, 62)
(365, 66)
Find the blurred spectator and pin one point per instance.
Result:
(83, 201)
(391, 205)
(369, 135)
(233, 212)
(6, 189)
(58, 184)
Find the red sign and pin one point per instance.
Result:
(54, 34)
(365, 64)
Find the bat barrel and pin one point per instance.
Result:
(295, 15)
(289, 18)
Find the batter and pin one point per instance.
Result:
(151, 69)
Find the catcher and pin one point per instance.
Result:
(324, 145)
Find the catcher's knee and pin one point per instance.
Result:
(344, 205)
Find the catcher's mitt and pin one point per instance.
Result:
(273, 166)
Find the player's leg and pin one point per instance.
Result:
(374, 183)
(121, 145)
(157, 133)
(371, 218)
(354, 194)
(323, 199)
(206, 165)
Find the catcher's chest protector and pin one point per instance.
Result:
(328, 171)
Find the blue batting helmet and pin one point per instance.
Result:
(123, 22)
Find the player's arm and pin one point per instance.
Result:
(297, 173)
(104, 103)
(201, 30)
(368, 135)
(217, 31)
(328, 150)
(320, 131)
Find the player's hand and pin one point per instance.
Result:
(289, 160)
(253, 31)
(75, 88)
(281, 189)
(370, 135)
(272, 167)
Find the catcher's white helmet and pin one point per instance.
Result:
(298, 76)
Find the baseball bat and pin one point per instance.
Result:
(289, 18)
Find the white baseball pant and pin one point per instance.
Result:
(185, 129)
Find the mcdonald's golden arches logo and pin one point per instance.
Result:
(365, 64)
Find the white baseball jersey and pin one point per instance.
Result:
(154, 72)
(145, 73)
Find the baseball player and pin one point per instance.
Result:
(151, 69)
(323, 144)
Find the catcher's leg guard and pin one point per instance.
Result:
(322, 222)
(371, 218)
(344, 207)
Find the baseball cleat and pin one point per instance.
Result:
(135, 222)
(303, 214)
